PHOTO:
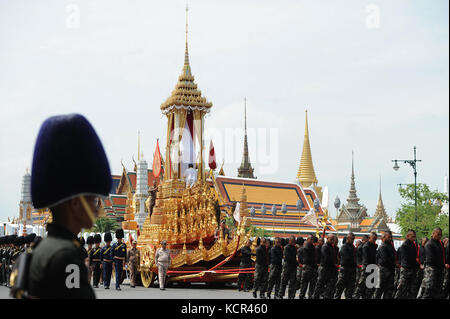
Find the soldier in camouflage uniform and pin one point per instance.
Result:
(386, 265)
(359, 246)
(300, 241)
(445, 293)
(434, 266)
(327, 270)
(409, 261)
(289, 272)
(369, 257)
(261, 269)
(419, 284)
(309, 273)
(347, 272)
(276, 261)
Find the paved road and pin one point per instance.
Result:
(196, 291)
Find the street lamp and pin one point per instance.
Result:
(413, 164)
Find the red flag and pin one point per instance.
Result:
(157, 161)
(130, 238)
(212, 157)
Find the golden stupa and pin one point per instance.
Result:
(306, 175)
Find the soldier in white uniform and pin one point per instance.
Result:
(190, 175)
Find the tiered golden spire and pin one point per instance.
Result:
(186, 92)
(306, 174)
(380, 211)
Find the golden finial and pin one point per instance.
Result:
(186, 54)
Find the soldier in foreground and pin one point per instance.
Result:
(434, 266)
(69, 144)
(409, 261)
(245, 263)
(133, 258)
(261, 269)
(386, 264)
(347, 272)
(309, 273)
(276, 262)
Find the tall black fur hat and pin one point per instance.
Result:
(12, 239)
(299, 241)
(82, 241)
(107, 237)
(97, 239)
(90, 240)
(19, 240)
(119, 233)
(31, 238)
(2, 240)
(69, 144)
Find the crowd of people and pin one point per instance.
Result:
(361, 270)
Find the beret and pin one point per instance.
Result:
(68, 161)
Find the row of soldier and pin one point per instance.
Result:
(102, 259)
(361, 271)
(99, 259)
(11, 247)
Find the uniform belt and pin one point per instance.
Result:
(107, 260)
(96, 260)
(121, 258)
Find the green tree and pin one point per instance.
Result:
(429, 204)
(104, 225)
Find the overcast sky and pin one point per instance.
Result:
(373, 76)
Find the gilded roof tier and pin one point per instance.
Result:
(186, 93)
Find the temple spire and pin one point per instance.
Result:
(380, 211)
(245, 170)
(352, 199)
(306, 174)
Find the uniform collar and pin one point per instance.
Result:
(59, 231)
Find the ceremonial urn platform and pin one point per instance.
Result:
(186, 219)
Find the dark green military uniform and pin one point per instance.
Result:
(48, 270)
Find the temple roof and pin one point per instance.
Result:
(186, 95)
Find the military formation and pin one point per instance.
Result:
(10, 249)
(320, 269)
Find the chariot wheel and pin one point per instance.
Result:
(147, 277)
(147, 261)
